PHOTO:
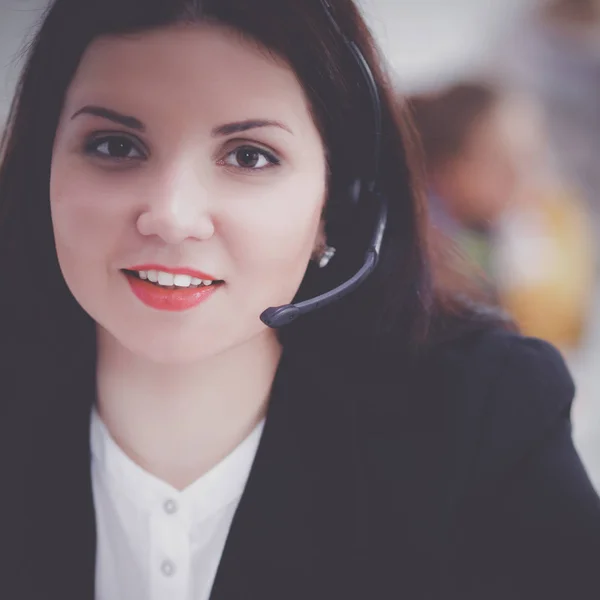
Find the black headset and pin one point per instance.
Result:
(361, 188)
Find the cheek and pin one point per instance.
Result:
(277, 240)
(475, 183)
(84, 218)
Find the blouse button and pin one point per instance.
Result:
(167, 568)
(170, 507)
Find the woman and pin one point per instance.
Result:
(471, 168)
(171, 170)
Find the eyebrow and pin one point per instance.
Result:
(111, 115)
(134, 123)
(241, 126)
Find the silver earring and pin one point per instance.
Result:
(326, 255)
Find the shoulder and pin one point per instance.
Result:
(472, 376)
(489, 391)
(504, 363)
(502, 397)
(526, 375)
(482, 401)
(522, 376)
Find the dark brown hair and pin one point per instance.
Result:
(398, 301)
(583, 12)
(445, 119)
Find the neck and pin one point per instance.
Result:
(178, 421)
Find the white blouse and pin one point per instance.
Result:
(155, 542)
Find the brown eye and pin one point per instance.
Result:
(119, 148)
(247, 157)
(250, 158)
(114, 147)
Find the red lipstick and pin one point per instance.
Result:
(166, 298)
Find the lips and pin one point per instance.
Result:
(173, 299)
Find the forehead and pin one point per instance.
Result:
(205, 68)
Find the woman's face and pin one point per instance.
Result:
(189, 151)
(482, 180)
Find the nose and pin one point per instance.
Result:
(178, 210)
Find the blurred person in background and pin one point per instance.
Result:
(470, 170)
(521, 232)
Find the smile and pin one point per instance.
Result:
(171, 290)
(170, 280)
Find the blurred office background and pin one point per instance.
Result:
(506, 94)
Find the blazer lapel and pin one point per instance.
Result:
(295, 532)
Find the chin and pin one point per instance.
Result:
(174, 347)
(169, 349)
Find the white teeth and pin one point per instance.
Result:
(170, 280)
(165, 278)
(182, 280)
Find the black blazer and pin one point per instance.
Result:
(453, 477)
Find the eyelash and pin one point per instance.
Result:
(92, 144)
